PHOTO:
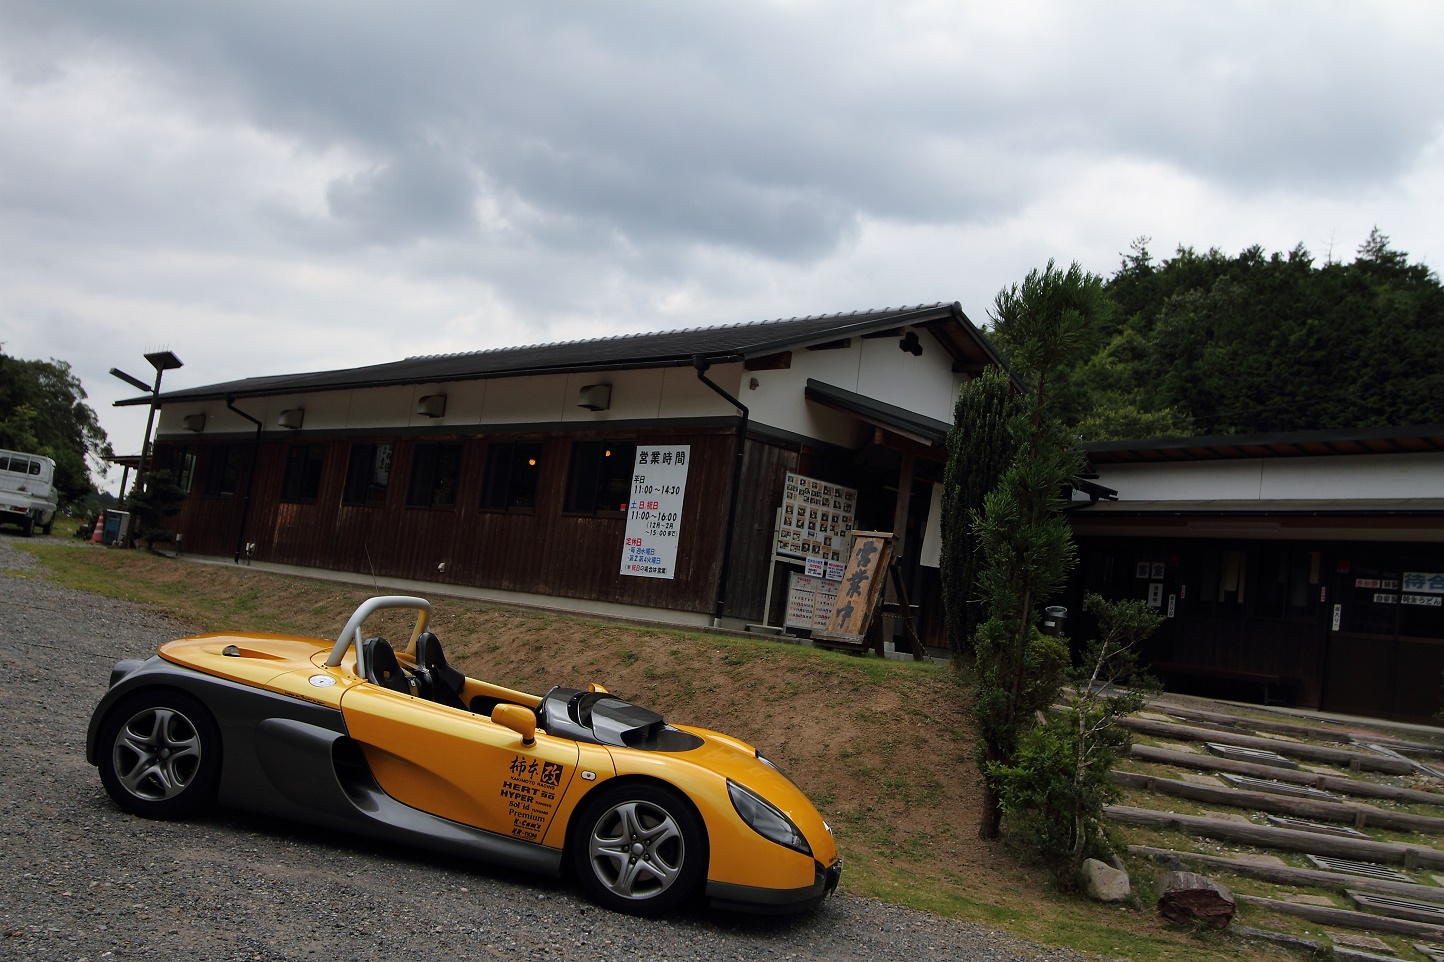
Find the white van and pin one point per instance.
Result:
(27, 491)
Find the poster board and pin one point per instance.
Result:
(817, 518)
(654, 515)
(810, 601)
(861, 589)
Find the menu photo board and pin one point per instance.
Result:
(809, 601)
(817, 518)
(654, 516)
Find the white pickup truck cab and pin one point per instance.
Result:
(27, 491)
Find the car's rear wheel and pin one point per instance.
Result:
(160, 755)
(639, 848)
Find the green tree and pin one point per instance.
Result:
(158, 498)
(1205, 343)
(980, 447)
(43, 411)
(1058, 784)
(1044, 324)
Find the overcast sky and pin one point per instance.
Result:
(267, 187)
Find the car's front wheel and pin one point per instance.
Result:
(160, 755)
(639, 848)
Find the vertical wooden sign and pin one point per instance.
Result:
(862, 587)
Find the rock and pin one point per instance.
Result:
(1192, 899)
(1103, 882)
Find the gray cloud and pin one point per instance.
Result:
(238, 175)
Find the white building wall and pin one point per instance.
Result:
(1355, 477)
(873, 367)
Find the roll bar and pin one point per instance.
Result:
(351, 634)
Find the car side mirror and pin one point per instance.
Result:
(519, 719)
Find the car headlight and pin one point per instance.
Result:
(766, 819)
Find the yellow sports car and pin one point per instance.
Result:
(400, 745)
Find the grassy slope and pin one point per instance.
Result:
(883, 748)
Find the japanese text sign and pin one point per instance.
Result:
(654, 516)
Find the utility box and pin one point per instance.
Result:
(117, 527)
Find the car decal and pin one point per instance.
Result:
(531, 795)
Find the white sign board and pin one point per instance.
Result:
(654, 516)
(816, 519)
(809, 601)
(1424, 582)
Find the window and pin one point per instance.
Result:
(599, 478)
(512, 468)
(435, 470)
(1285, 582)
(222, 467)
(180, 462)
(367, 474)
(302, 480)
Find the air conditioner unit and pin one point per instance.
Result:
(595, 397)
(432, 406)
(194, 422)
(291, 419)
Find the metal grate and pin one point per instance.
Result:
(1257, 756)
(1395, 907)
(1322, 828)
(1275, 788)
(1366, 869)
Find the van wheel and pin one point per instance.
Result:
(45, 528)
(27, 527)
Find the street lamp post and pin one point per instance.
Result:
(162, 361)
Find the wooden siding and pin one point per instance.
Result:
(542, 552)
(764, 475)
(1285, 649)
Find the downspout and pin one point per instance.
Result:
(701, 363)
(250, 477)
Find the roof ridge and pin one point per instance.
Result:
(676, 330)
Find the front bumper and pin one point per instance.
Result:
(765, 901)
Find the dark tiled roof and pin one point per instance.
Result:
(726, 343)
(919, 427)
(1297, 444)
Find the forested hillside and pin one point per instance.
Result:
(1207, 344)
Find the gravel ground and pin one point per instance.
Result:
(80, 880)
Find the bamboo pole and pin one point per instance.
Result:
(1284, 839)
(1332, 783)
(1314, 753)
(1348, 918)
(1288, 875)
(1355, 814)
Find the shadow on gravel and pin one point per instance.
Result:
(328, 843)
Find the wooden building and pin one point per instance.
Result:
(512, 470)
(1303, 568)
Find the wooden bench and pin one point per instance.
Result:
(1282, 685)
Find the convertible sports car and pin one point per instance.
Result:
(399, 745)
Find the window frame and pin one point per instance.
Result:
(217, 459)
(368, 492)
(501, 495)
(580, 491)
(311, 471)
(435, 467)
